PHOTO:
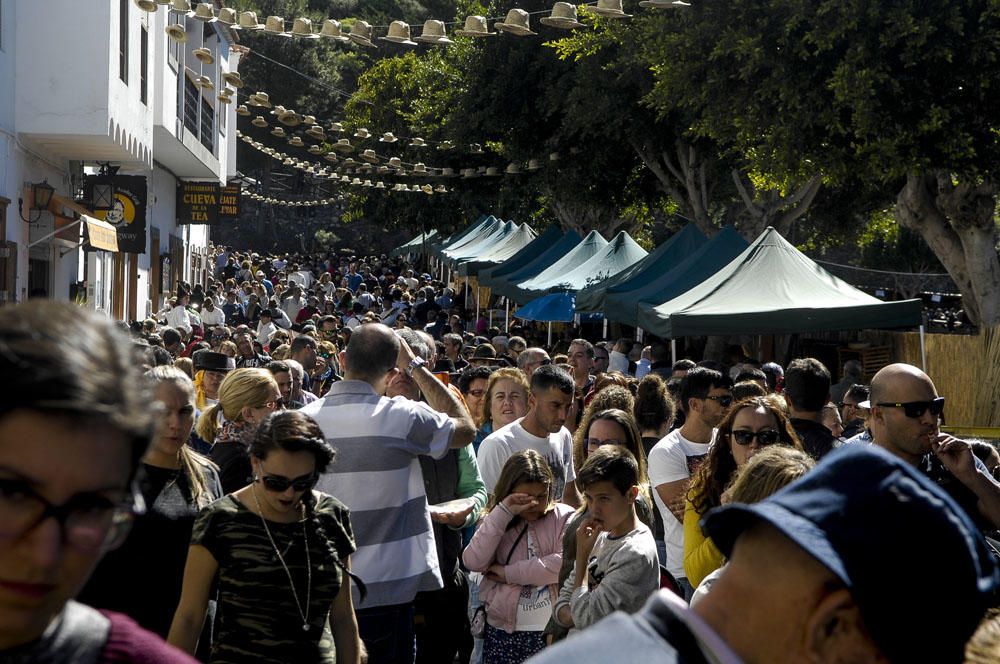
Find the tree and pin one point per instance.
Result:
(895, 92)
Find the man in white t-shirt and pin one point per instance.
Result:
(705, 395)
(542, 430)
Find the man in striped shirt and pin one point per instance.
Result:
(377, 475)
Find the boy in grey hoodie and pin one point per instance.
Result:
(616, 564)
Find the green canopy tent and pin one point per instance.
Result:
(416, 245)
(507, 283)
(622, 301)
(503, 250)
(484, 243)
(473, 235)
(523, 257)
(773, 288)
(550, 277)
(659, 261)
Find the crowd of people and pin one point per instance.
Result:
(318, 459)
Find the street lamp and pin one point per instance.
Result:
(41, 196)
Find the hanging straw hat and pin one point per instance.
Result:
(516, 23)
(395, 162)
(181, 6)
(492, 171)
(309, 120)
(260, 99)
(316, 132)
(335, 127)
(380, 185)
(275, 25)
(475, 148)
(399, 33)
(343, 145)
(259, 121)
(177, 33)
(609, 9)
(441, 189)
(446, 145)
(289, 118)
(361, 34)
(330, 157)
(302, 28)
(204, 54)
(278, 131)
(563, 16)
(369, 156)
(475, 26)
(228, 17)
(387, 137)
(243, 110)
(205, 82)
(296, 142)
(204, 12)
(419, 169)
(534, 164)
(233, 78)
(513, 169)
(427, 189)
(146, 5)
(664, 4)
(418, 143)
(315, 149)
(331, 30)
(447, 172)
(362, 133)
(248, 21)
(434, 33)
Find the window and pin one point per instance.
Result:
(191, 99)
(174, 48)
(123, 41)
(208, 125)
(143, 65)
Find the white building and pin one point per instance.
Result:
(85, 83)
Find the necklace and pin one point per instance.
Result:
(305, 537)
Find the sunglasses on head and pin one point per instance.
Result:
(915, 409)
(764, 437)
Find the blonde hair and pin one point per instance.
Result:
(507, 373)
(193, 465)
(242, 388)
(228, 348)
(282, 352)
(768, 470)
(186, 365)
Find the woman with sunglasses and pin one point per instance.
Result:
(279, 553)
(749, 426)
(246, 397)
(75, 423)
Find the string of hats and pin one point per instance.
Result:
(517, 22)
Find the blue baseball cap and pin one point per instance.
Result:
(910, 556)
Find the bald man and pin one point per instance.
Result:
(904, 417)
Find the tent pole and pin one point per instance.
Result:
(550, 335)
(466, 293)
(673, 351)
(491, 314)
(604, 335)
(506, 316)
(923, 351)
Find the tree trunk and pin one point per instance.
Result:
(684, 176)
(958, 222)
(771, 208)
(584, 217)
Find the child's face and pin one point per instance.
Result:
(609, 506)
(538, 491)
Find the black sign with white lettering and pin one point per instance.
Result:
(229, 202)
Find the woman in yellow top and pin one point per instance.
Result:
(750, 425)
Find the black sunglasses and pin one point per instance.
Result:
(281, 484)
(915, 409)
(764, 437)
(725, 400)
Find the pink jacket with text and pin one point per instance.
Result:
(491, 544)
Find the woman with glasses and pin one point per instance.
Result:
(75, 423)
(279, 553)
(175, 482)
(749, 426)
(246, 397)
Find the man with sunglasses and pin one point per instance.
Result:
(905, 413)
(706, 395)
(807, 390)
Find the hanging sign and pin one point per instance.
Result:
(127, 213)
(197, 202)
(229, 201)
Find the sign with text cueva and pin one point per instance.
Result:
(205, 203)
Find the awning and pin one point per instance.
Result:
(100, 234)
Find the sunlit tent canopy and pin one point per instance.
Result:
(551, 278)
(523, 256)
(622, 302)
(485, 243)
(470, 234)
(507, 284)
(489, 226)
(772, 288)
(615, 256)
(416, 245)
(664, 258)
(500, 252)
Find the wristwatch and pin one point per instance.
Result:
(414, 363)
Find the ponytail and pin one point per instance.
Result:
(208, 425)
(193, 465)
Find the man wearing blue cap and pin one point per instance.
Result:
(833, 568)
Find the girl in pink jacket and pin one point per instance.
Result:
(518, 548)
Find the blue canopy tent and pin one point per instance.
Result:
(552, 308)
(622, 301)
(664, 258)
